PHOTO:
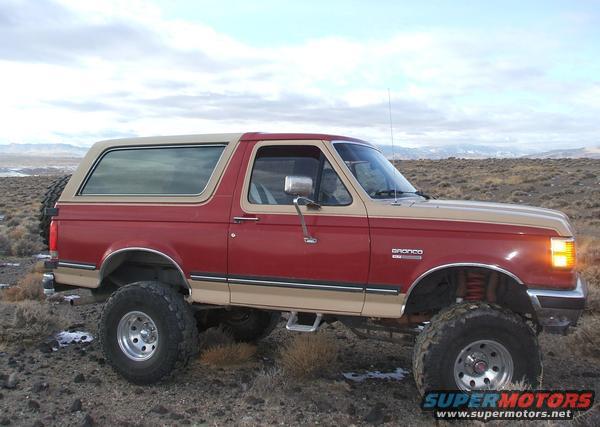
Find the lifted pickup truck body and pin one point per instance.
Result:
(370, 253)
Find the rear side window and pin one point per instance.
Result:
(163, 171)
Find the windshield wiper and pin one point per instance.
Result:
(424, 195)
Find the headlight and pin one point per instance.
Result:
(563, 252)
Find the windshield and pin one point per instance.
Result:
(379, 178)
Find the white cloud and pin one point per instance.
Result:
(74, 71)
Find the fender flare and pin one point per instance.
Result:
(456, 264)
(143, 249)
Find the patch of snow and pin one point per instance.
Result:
(10, 264)
(397, 375)
(4, 286)
(66, 338)
(71, 297)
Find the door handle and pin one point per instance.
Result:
(240, 219)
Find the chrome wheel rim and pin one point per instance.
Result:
(137, 336)
(483, 365)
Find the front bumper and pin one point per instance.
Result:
(556, 310)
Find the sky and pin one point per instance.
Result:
(521, 75)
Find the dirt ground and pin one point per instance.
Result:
(42, 383)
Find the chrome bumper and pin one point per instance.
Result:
(556, 310)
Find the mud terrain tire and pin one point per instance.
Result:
(453, 329)
(51, 196)
(176, 338)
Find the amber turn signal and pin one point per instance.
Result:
(563, 252)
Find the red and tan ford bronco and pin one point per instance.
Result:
(183, 233)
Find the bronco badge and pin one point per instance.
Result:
(407, 253)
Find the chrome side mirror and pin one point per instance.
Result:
(298, 185)
(301, 187)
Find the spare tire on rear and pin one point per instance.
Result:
(50, 198)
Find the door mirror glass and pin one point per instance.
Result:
(298, 186)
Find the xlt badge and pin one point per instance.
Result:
(401, 253)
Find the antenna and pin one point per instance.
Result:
(392, 137)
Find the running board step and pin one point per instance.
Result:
(293, 325)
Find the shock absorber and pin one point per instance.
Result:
(475, 286)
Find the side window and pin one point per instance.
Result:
(274, 163)
(161, 171)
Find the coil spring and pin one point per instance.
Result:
(475, 285)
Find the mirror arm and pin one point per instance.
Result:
(307, 237)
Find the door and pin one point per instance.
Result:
(270, 263)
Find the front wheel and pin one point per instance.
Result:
(147, 331)
(476, 346)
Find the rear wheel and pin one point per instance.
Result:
(243, 324)
(248, 325)
(475, 346)
(147, 331)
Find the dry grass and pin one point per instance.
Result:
(38, 267)
(19, 203)
(589, 266)
(219, 349)
(267, 383)
(28, 321)
(5, 248)
(228, 354)
(518, 386)
(307, 355)
(590, 417)
(585, 339)
(28, 288)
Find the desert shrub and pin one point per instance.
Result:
(26, 245)
(4, 245)
(38, 267)
(589, 252)
(28, 321)
(28, 288)
(228, 354)
(17, 233)
(517, 386)
(12, 222)
(219, 349)
(585, 339)
(267, 383)
(592, 275)
(307, 355)
(589, 266)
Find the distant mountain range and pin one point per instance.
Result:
(465, 151)
(574, 153)
(43, 150)
(469, 151)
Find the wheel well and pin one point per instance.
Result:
(133, 265)
(446, 286)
